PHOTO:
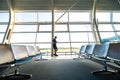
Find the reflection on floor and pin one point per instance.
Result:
(66, 69)
(60, 56)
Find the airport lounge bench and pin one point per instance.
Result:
(107, 53)
(13, 56)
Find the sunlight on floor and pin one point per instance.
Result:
(60, 57)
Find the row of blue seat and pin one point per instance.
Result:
(104, 53)
(13, 56)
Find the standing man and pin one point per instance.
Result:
(55, 46)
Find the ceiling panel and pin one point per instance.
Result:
(61, 4)
(3, 5)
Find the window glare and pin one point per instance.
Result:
(45, 28)
(44, 37)
(117, 27)
(23, 37)
(106, 34)
(25, 28)
(103, 16)
(61, 28)
(62, 37)
(61, 19)
(105, 27)
(4, 17)
(80, 28)
(79, 17)
(45, 16)
(3, 28)
(116, 17)
(1, 37)
(26, 17)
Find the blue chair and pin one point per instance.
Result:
(100, 54)
(82, 50)
(114, 55)
(89, 50)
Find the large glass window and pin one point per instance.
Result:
(58, 15)
(46, 47)
(118, 34)
(26, 17)
(78, 45)
(82, 37)
(63, 45)
(61, 27)
(23, 37)
(79, 16)
(103, 16)
(80, 27)
(45, 17)
(107, 34)
(44, 37)
(3, 28)
(105, 27)
(36, 27)
(2, 32)
(117, 27)
(25, 28)
(62, 37)
(45, 28)
(1, 37)
(116, 16)
(4, 17)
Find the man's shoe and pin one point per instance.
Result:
(55, 54)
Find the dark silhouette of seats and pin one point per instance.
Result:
(107, 53)
(114, 54)
(100, 53)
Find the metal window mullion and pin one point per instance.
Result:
(67, 10)
(69, 34)
(113, 27)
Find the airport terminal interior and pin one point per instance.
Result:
(88, 39)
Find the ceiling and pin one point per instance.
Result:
(60, 4)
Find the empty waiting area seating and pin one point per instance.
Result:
(13, 56)
(100, 53)
(6, 55)
(105, 54)
(6, 58)
(114, 52)
(20, 53)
